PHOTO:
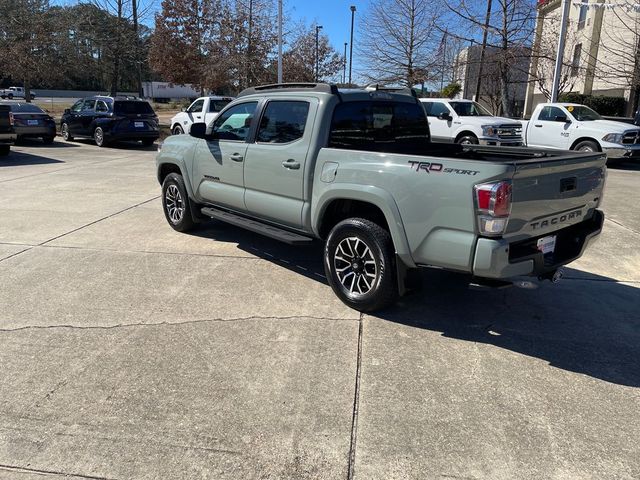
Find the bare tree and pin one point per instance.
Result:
(509, 34)
(398, 41)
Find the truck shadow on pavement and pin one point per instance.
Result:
(16, 159)
(586, 324)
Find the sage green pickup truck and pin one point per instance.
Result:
(357, 170)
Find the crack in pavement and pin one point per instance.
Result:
(356, 404)
(15, 468)
(160, 324)
(622, 225)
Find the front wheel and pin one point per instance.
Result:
(359, 262)
(175, 203)
(66, 134)
(177, 130)
(468, 140)
(586, 146)
(4, 150)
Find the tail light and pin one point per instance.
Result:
(493, 201)
(11, 120)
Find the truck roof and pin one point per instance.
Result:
(445, 100)
(375, 92)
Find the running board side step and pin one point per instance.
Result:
(258, 227)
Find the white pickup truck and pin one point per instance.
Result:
(467, 122)
(569, 126)
(204, 109)
(15, 92)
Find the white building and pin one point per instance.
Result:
(601, 55)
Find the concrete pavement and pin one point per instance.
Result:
(130, 351)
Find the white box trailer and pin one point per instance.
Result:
(165, 91)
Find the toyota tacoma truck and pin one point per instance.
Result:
(7, 133)
(357, 170)
(468, 123)
(570, 126)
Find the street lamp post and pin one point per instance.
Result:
(318, 28)
(353, 14)
(279, 41)
(344, 64)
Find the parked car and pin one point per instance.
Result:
(469, 123)
(7, 134)
(570, 126)
(30, 121)
(15, 92)
(357, 169)
(204, 109)
(110, 119)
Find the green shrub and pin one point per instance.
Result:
(607, 106)
(451, 90)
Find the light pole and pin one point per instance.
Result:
(353, 14)
(318, 28)
(559, 55)
(344, 64)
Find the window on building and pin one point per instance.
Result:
(575, 63)
(582, 16)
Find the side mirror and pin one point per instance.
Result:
(198, 130)
(67, 111)
(562, 118)
(445, 116)
(183, 109)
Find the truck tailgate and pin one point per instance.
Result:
(555, 192)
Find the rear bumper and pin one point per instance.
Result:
(7, 138)
(622, 151)
(45, 131)
(500, 259)
(117, 136)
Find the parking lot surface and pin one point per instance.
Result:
(130, 351)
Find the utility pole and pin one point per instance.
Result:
(482, 50)
(353, 14)
(344, 64)
(318, 28)
(279, 41)
(444, 58)
(560, 54)
(134, 7)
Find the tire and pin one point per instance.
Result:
(98, 137)
(586, 146)
(4, 150)
(48, 140)
(10, 96)
(176, 203)
(147, 142)
(359, 262)
(177, 130)
(33, 97)
(64, 129)
(467, 140)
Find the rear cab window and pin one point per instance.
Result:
(101, 107)
(379, 126)
(216, 106)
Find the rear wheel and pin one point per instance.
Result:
(48, 140)
(10, 96)
(467, 140)
(98, 137)
(175, 203)
(4, 150)
(586, 146)
(177, 130)
(359, 262)
(66, 134)
(147, 142)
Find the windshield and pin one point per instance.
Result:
(135, 107)
(582, 113)
(469, 109)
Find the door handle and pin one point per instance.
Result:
(291, 164)
(538, 126)
(236, 157)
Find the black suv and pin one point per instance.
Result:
(110, 119)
